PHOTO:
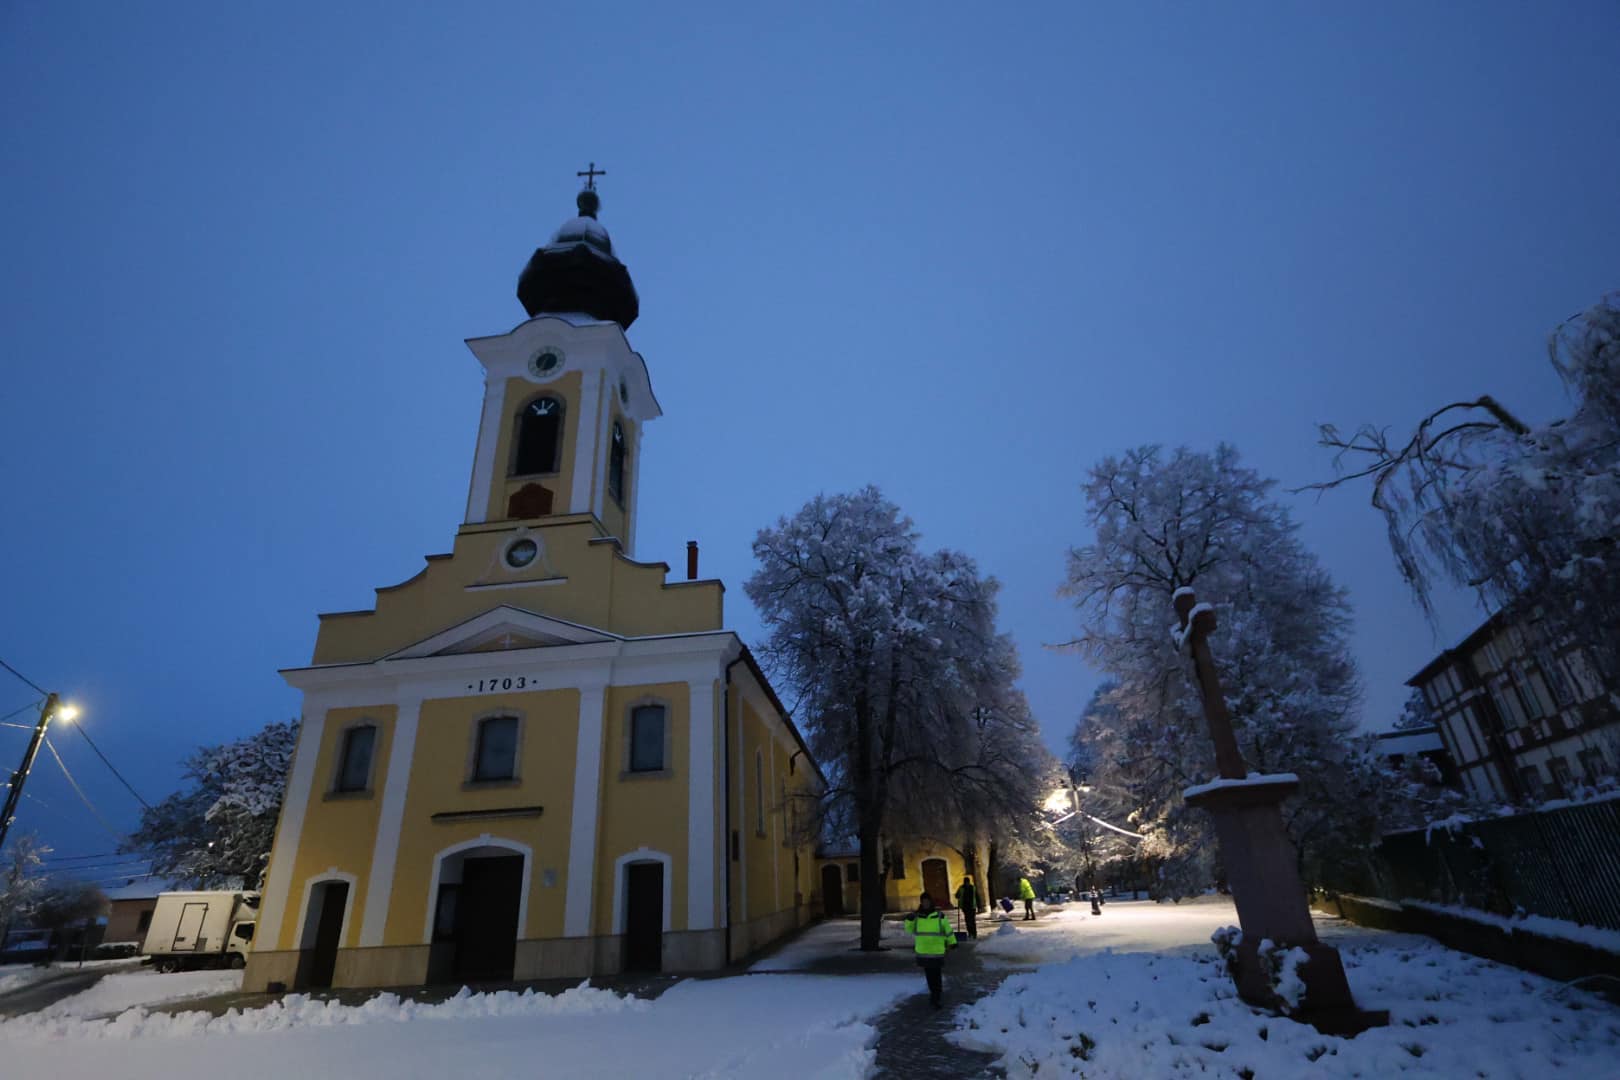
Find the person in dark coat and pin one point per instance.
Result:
(967, 899)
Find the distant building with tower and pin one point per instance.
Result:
(540, 756)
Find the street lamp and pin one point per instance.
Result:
(55, 709)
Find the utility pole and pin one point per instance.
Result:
(14, 793)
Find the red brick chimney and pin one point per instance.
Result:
(691, 560)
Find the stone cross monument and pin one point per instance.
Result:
(1260, 861)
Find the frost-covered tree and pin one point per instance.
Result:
(1414, 712)
(216, 832)
(22, 880)
(1527, 514)
(886, 650)
(1164, 521)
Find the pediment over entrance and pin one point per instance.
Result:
(502, 629)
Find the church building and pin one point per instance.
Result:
(540, 757)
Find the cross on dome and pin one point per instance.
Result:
(590, 175)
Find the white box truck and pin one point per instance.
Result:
(201, 929)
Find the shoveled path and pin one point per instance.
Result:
(911, 1042)
(911, 1035)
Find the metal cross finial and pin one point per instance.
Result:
(590, 175)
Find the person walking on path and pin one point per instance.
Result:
(934, 936)
(967, 899)
(1026, 893)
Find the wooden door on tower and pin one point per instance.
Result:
(644, 916)
(937, 882)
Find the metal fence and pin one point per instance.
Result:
(1562, 863)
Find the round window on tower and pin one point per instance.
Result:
(546, 362)
(521, 553)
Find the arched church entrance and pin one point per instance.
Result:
(322, 934)
(475, 921)
(937, 882)
(644, 916)
(832, 891)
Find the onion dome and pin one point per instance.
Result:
(577, 272)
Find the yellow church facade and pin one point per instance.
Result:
(539, 757)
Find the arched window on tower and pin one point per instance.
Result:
(617, 457)
(539, 437)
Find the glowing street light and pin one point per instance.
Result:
(52, 709)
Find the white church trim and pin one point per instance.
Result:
(483, 840)
(306, 932)
(295, 801)
(385, 851)
(577, 901)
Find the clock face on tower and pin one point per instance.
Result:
(546, 363)
(521, 554)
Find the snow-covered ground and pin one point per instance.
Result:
(1071, 929)
(17, 976)
(747, 1026)
(1092, 1011)
(127, 989)
(830, 939)
(1135, 992)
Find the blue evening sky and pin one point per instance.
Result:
(961, 252)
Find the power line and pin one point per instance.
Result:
(96, 855)
(80, 791)
(22, 708)
(127, 786)
(23, 677)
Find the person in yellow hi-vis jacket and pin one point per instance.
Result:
(934, 936)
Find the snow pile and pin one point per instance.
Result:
(749, 1026)
(1252, 780)
(126, 990)
(1139, 1015)
(1542, 925)
(303, 1011)
(17, 976)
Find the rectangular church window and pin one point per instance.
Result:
(354, 769)
(496, 755)
(647, 738)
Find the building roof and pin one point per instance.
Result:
(1410, 741)
(578, 272)
(1459, 651)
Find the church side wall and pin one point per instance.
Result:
(339, 828)
(646, 811)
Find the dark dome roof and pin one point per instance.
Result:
(578, 272)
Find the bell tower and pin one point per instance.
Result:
(565, 397)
